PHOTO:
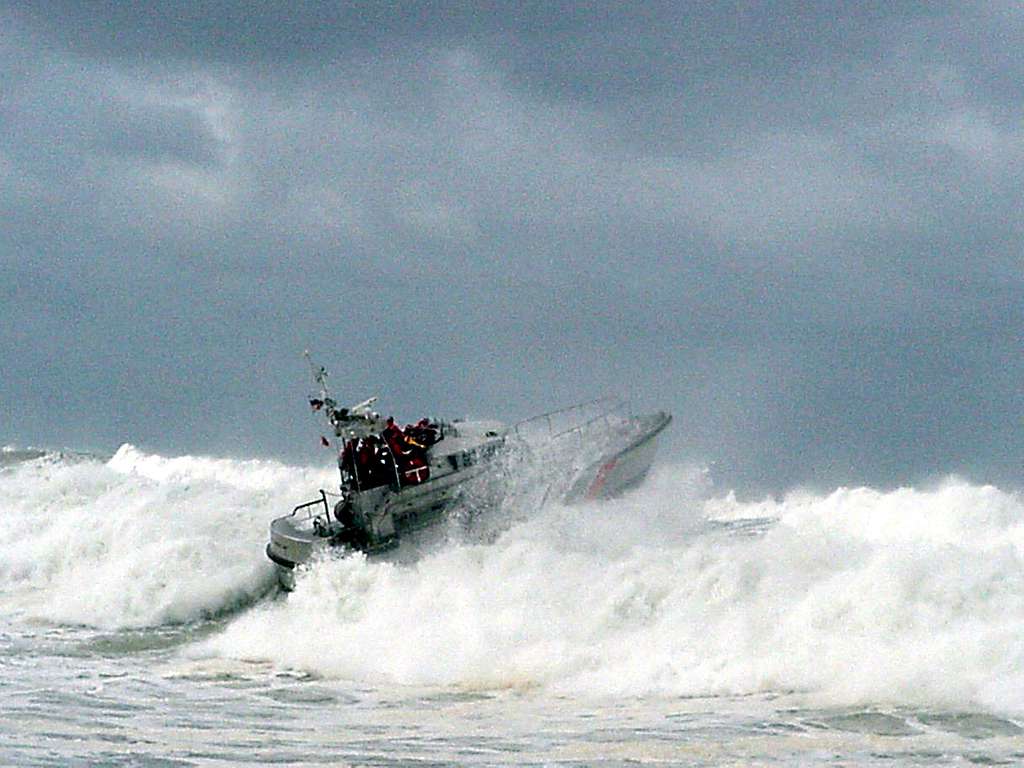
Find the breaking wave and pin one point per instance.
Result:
(856, 596)
(138, 539)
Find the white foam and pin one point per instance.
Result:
(858, 595)
(141, 539)
(854, 596)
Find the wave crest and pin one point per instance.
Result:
(140, 539)
(860, 595)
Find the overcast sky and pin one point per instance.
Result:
(795, 226)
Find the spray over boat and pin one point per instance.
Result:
(400, 484)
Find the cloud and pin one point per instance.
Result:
(129, 150)
(487, 207)
(974, 135)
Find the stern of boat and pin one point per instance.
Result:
(297, 537)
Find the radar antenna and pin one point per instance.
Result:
(357, 418)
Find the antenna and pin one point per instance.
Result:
(363, 408)
(319, 374)
(359, 418)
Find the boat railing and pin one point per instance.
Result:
(309, 506)
(573, 420)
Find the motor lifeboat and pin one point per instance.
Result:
(397, 483)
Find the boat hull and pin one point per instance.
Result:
(621, 470)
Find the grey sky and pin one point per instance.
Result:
(796, 226)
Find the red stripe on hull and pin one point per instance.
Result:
(602, 477)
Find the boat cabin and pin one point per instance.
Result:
(396, 457)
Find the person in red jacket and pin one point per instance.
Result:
(396, 439)
(410, 455)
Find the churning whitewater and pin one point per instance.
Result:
(904, 597)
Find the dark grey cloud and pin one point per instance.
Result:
(796, 226)
(160, 134)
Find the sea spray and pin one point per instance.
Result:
(852, 597)
(140, 539)
(908, 596)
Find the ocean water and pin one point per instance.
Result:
(140, 625)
